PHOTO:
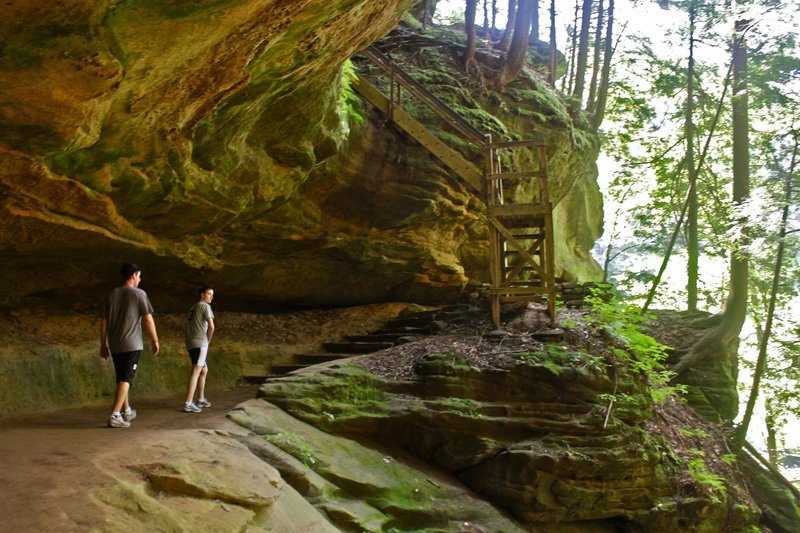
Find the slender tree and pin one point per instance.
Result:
(515, 59)
(724, 334)
(505, 40)
(608, 51)
(691, 193)
(535, 20)
(583, 53)
(553, 47)
(469, 28)
(573, 47)
(598, 43)
(692, 240)
(761, 362)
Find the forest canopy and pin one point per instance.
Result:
(697, 106)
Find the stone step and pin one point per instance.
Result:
(376, 337)
(549, 335)
(285, 369)
(315, 358)
(356, 347)
(416, 322)
(253, 379)
(405, 331)
(419, 314)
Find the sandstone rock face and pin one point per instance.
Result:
(214, 142)
(528, 435)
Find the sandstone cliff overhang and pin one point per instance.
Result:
(213, 142)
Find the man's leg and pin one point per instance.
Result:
(121, 397)
(201, 383)
(196, 370)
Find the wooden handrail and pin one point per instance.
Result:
(420, 92)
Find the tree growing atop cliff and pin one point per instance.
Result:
(515, 57)
(735, 312)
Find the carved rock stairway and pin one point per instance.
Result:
(405, 328)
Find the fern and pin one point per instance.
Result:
(640, 352)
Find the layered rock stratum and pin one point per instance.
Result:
(217, 142)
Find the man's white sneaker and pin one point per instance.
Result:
(203, 403)
(116, 421)
(191, 408)
(129, 415)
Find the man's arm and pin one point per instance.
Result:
(210, 332)
(103, 333)
(150, 325)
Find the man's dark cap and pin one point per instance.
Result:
(128, 270)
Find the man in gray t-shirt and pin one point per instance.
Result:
(123, 312)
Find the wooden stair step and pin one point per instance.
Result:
(532, 211)
(528, 236)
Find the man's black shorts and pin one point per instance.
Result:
(125, 364)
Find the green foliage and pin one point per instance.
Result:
(452, 357)
(625, 403)
(557, 359)
(350, 104)
(702, 475)
(689, 432)
(462, 406)
(359, 390)
(638, 351)
(295, 445)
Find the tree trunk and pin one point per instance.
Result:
(761, 361)
(700, 164)
(515, 59)
(505, 41)
(469, 28)
(598, 43)
(772, 440)
(736, 305)
(535, 20)
(692, 241)
(583, 54)
(573, 51)
(424, 12)
(602, 91)
(553, 48)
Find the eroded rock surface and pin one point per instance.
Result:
(218, 142)
(560, 436)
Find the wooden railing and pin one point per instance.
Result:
(520, 234)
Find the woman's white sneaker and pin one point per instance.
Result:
(191, 408)
(116, 421)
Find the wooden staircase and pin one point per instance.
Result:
(520, 233)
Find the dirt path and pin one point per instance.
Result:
(51, 464)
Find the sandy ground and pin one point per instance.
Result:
(51, 464)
